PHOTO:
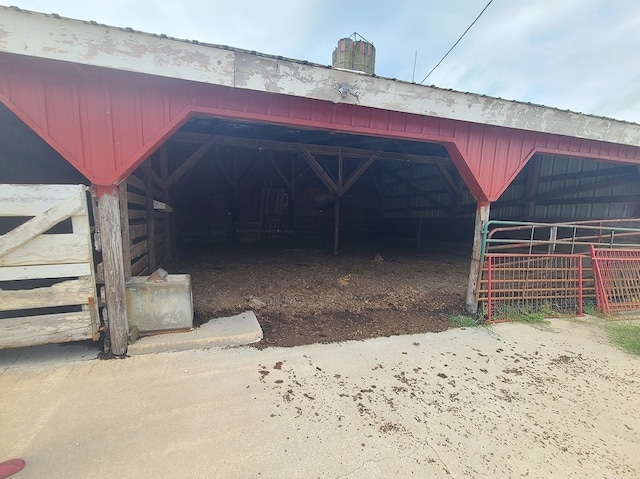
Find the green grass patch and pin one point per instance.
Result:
(462, 321)
(522, 314)
(625, 335)
(590, 308)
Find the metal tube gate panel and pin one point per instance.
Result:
(528, 283)
(617, 274)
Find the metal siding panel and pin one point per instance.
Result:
(361, 118)
(413, 124)
(256, 103)
(153, 113)
(28, 92)
(281, 108)
(127, 129)
(95, 115)
(64, 121)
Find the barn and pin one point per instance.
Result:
(118, 149)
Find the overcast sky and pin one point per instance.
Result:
(582, 55)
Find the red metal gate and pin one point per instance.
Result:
(531, 282)
(617, 274)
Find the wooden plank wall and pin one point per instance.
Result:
(148, 227)
(47, 280)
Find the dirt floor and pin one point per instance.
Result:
(304, 296)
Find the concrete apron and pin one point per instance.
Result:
(238, 330)
(508, 402)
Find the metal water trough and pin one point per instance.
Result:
(159, 306)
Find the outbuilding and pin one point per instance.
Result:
(129, 114)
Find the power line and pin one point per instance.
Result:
(458, 41)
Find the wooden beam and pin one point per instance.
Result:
(475, 270)
(417, 191)
(124, 226)
(166, 197)
(189, 163)
(156, 179)
(226, 175)
(357, 174)
(243, 176)
(111, 239)
(151, 221)
(285, 180)
(336, 224)
(40, 223)
(133, 180)
(336, 204)
(448, 181)
(45, 329)
(69, 292)
(319, 170)
(313, 149)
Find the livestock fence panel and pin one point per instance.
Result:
(617, 275)
(47, 279)
(521, 283)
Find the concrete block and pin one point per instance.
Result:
(238, 330)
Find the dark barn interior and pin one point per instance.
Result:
(268, 182)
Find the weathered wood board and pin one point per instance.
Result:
(33, 251)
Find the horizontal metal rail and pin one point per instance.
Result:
(577, 237)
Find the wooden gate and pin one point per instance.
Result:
(47, 280)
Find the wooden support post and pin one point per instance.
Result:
(482, 216)
(336, 225)
(112, 257)
(336, 206)
(124, 226)
(151, 221)
(168, 227)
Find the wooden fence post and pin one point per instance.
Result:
(475, 271)
(112, 258)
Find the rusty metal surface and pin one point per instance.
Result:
(569, 238)
(528, 283)
(617, 275)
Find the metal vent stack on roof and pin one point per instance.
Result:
(355, 53)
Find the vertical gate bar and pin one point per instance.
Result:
(489, 258)
(580, 312)
(533, 229)
(580, 294)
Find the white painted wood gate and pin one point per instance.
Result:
(47, 279)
